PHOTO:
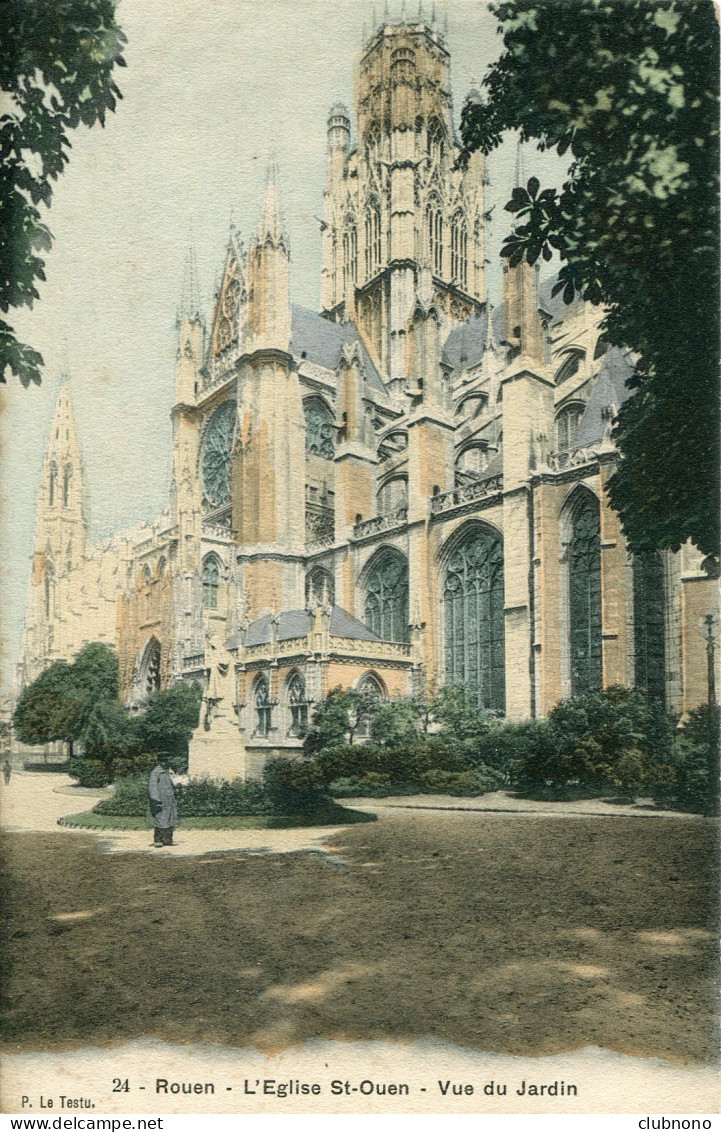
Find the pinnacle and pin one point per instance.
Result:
(271, 221)
(190, 298)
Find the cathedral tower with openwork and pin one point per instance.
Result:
(401, 491)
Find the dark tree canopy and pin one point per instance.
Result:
(630, 91)
(56, 64)
(70, 701)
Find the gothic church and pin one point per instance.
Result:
(401, 491)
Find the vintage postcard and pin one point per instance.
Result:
(360, 593)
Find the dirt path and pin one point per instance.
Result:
(532, 936)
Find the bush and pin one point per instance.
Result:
(52, 768)
(89, 772)
(504, 747)
(293, 787)
(694, 784)
(200, 798)
(615, 739)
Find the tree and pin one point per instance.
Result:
(56, 64)
(169, 720)
(630, 91)
(48, 709)
(69, 702)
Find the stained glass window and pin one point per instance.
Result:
(217, 450)
(211, 579)
(473, 604)
(567, 423)
(584, 575)
(386, 608)
(298, 706)
(262, 707)
(319, 431)
(151, 675)
(648, 624)
(434, 236)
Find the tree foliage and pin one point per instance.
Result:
(630, 92)
(71, 701)
(56, 64)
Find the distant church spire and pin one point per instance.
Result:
(271, 220)
(190, 297)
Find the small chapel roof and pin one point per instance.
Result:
(298, 622)
(321, 341)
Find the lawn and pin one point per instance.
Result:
(516, 934)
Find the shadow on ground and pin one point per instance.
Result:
(531, 936)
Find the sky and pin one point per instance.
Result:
(210, 88)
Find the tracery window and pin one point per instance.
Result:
(386, 606)
(371, 693)
(584, 586)
(459, 250)
(216, 456)
(67, 478)
(393, 495)
(298, 707)
(648, 624)
(162, 564)
(319, 431)
(474, 629)
(350, 255)
(263, 709)
(319, 586)
(373, 239)
(567, 423)
(435, 140)
(211, 581)
(434, 235)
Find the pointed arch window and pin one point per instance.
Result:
(372, 695)
(649, 624)
(567, 423)
(297, 707)
(474, 628)
(435, 141)
(52, 486)
(584, 588)
(350, 255)
(149, 676)
(373, 238)
(49, 592)
(459, 250)
(434, 235)
(319, 430)
(67, 480)
(263, 708)
(570, 365)
(393, 495)
(319, 586)
(386, 606)
(211, 581)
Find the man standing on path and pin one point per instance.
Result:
(162, 803)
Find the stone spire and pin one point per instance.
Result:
(190, 295)
(271, 227)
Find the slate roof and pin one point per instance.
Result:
(610, 389)
(465, 345)
(554, 304)
(321, 341)
(297, 623)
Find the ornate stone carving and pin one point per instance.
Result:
(479, 489)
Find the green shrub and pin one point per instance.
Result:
(293, 787)
(394, 723)
(694, 782)
(200, 798)
(505, 746)
(614, 739)
(89, 772)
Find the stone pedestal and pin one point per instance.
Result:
(218, 753)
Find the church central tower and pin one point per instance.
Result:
(399, 219)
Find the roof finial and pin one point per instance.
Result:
(433, 14)
(420, 11)
(271, 220)
(386, 13)
(403, 11)
(445, 20)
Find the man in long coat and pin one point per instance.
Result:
(162, 803)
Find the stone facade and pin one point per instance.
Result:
(405, 490)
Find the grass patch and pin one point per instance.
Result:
(331, 815)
